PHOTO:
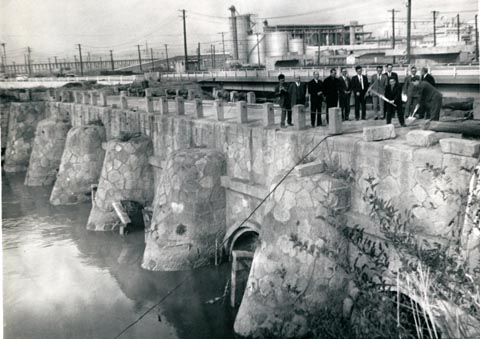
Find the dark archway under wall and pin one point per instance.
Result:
(240, 233)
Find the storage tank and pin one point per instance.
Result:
(295, 45)
(244, 28)
(254, 49)
(276, 44)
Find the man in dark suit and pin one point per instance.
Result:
(344, 92)
(297, 92)
(283, 99)
(427, 77)
(393, 92)
(315, 90)
(430, 98)
(391, 74)
(411, 93)
(359, 89)
(330, 90)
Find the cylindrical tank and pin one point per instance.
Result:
(295, 45)
(254, 49)
(276, 44)
(244, 28)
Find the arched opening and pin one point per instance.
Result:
(240, 244)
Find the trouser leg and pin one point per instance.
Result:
(283, 117)
(436, 106)
(363, 102)
(357, 107)
(375, 105)
(400, 116)
(289, 116)
(389, 113)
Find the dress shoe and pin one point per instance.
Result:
(290, 124)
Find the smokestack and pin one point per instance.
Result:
(233, 20)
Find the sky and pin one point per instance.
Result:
(55, 27)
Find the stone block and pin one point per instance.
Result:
(428, 138)
(191, 94)
(309, 169)
(476, 109)
(57, 95)
(149, 103)
(268, 115)
(148, 92)
(85, 98)
(103, 99)
(421, 138)
(180, 105)
(233, 96)
(198, 108)
(376, 133)
(163, 105)
(219, 109)
(242, 114)
(77, 98)
(93, 98)
(335, 121)
(467, 148)
(299, 118)
(251, 99)
(244, 187)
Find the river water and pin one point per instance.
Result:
(62, 281)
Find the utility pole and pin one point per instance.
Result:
(434, 28)
(185, 40)
(151, 57)
(458, 27)
(213, 55)
(139, 57)
(49, 66)
(319, 43)
(76, 66)
(56, 63)
(223, 47)
(81, 60)
(258, 49)
(198, 55)
(29, 61)
(111, 60)
(26, 63)
(393, 30)
(166, 55)
(14, 68)
(4, 58)
(409, 29)
(476, 36)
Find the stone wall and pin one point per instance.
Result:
(4, 116)
(189, 211)
(22, 122)
(80, 166)
(47, 152)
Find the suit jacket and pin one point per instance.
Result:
(297, 93)
(428, 93)
(392, 75)
(313, 88)
(394, 94)
(283, 98)
(428, 78)
(357, 86)
(379, 83)
(344, 85)
(330, 87)
(408, 86)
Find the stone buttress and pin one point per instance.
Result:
(296, 268)
(126, 175)
(80, 166)
(22, 123)
(47, 152)
(189, 211)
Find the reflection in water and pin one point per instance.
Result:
(62, 281)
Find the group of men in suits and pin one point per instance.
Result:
(336, 91)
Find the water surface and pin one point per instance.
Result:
(62, 281)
